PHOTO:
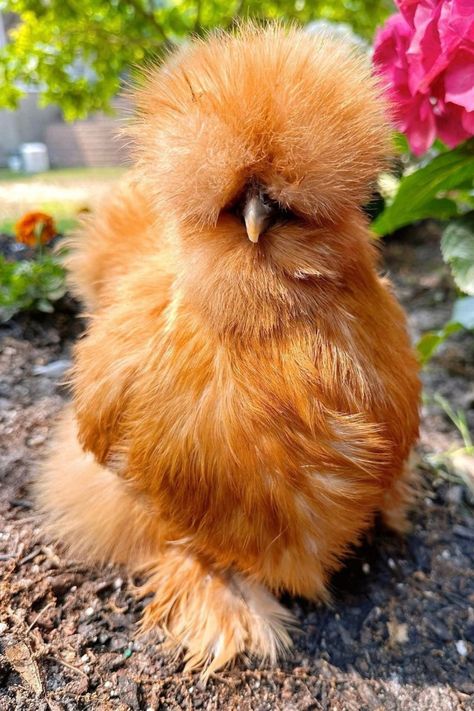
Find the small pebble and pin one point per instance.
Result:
(36, 440)
(446, 555)
(454, 494)
(87, 668)
(461, 648)
(118, 582)
(90, 611)
(366, 568)
(85, 658)
(3, 627)
(398, 633)
(391, 564)
(108, 685)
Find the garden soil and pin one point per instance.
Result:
(399, 635)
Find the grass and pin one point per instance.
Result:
(63, 174)
(60, 200)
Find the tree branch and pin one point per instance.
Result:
(150, 17)
(197, 22)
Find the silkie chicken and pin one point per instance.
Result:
(245, 398)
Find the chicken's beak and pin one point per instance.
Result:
(256, 216)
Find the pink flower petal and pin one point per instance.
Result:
(459, 79)
(456, 23)
(468, 122)
(421, 127)
(408, 8)
(449, 126)
(425, 55)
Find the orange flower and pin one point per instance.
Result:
(35, 228)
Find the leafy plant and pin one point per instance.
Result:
(457, 246)
(30, 284)
(456, 463)
(432, 340)
(439, 189)
(418, 55)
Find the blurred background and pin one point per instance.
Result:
(63, 68)
(69, 60)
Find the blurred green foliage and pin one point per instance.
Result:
(30, 284)
(442, 188)
(457, 246)
(79, 51)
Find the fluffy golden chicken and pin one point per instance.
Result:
(245, 397)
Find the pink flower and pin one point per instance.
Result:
(425, 54)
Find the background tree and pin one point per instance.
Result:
(79, 51)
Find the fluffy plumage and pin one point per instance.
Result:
(241, 411)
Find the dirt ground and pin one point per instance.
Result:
(399, 636)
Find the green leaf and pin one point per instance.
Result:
(401, 143)
(462, 317)
(6, 313)
(457, 246)
(422, 194)
(30, 284)
(431, 341)
(463, 312)
(56, 294)
(45, 306)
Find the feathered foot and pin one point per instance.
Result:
(400, 498)
(214, 616)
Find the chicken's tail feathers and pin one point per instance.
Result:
(88, 508)
(213, 615)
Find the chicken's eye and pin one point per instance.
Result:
(258, 211)
(282, 213)
(276, 212)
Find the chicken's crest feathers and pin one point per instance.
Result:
(302, 113)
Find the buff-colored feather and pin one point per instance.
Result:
(241, 411)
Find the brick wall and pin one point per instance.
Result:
(93, 142)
